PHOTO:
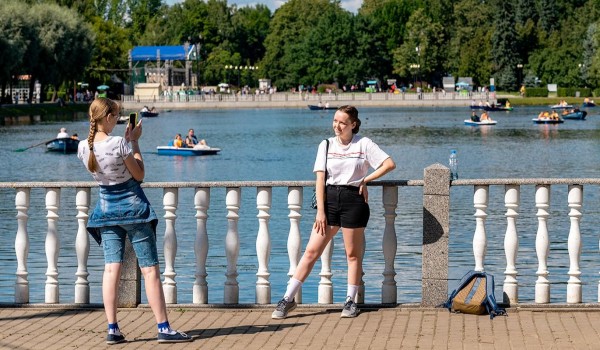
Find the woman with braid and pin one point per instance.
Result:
(123, 210)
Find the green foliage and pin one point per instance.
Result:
(536, 92)
(470, 47)
(310, 42)
(572, 92)
(504, 45)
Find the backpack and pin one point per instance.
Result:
(475, 295)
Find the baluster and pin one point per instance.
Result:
(22, 246)
(232, 245)
(389, 245)
(325, 284)
(542, 246)
(201, 202)
(82, 247)
(170, 199)
(263, 245)
(480, 200)
(511, 244)
(52, 245)
(294, 242)
(575, 199)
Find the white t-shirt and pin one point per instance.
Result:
(110, 155)
(62, 135)
(348, 165)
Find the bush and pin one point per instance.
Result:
(536, 92)
(571, 92)
(596, 92)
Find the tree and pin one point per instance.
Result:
(470, 46)
(504, 45)
(65, 44)
(549, 11)
(421, 51)
(290, 57)
(15, 35)
(380, 29)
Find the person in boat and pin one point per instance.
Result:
(75, 137)
(342, 171)
(586, 100)
(319, 104)
(554, 115)
(122, 211)
(178, 142)
(153, 109)
(191, 140)
(144, 109)
(327, 104)
(544, 115)
(474, 117)
(507, 104)
(62, 134)
(485, 117)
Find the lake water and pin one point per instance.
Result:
(280, 144)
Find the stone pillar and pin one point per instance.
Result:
(130, 284)
(436, 225)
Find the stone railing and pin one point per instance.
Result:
(288, 98)
(435, 238)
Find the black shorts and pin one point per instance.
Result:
(346, 208)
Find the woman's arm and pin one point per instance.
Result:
(320, 224)
(385, 167)
(135, 162)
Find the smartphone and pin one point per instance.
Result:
(133, 119)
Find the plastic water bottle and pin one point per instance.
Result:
(453, 163)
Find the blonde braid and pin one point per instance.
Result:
(92, 163)
(100, 108)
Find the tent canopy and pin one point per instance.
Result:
(153, 53)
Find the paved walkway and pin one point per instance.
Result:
(306, 328)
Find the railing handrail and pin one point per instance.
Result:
(194, 184)
(308, 183)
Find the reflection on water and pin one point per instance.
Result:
(280, 144)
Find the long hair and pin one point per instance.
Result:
(100, 108)
(352, 112)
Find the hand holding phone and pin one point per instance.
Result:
(133, 120)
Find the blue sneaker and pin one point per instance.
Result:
(178, 337)
(112, 339)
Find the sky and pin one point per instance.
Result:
(350, 5)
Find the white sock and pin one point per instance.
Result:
(352, 291)
(292, 289)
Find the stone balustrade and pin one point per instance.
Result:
(436, 196)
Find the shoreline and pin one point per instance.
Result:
(285, 100)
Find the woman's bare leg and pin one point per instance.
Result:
(110, 287)
(354, 242)
(154, 292)
(314, 249)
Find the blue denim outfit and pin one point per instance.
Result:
(122, 205)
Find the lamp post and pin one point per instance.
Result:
(520, 72)
(418, 49)
(580, 73)
(198, 49)
(415, 68)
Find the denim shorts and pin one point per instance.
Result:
(346, 208)
(142, 238)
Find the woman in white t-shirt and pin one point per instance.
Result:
(123, 211)
(342, 203)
